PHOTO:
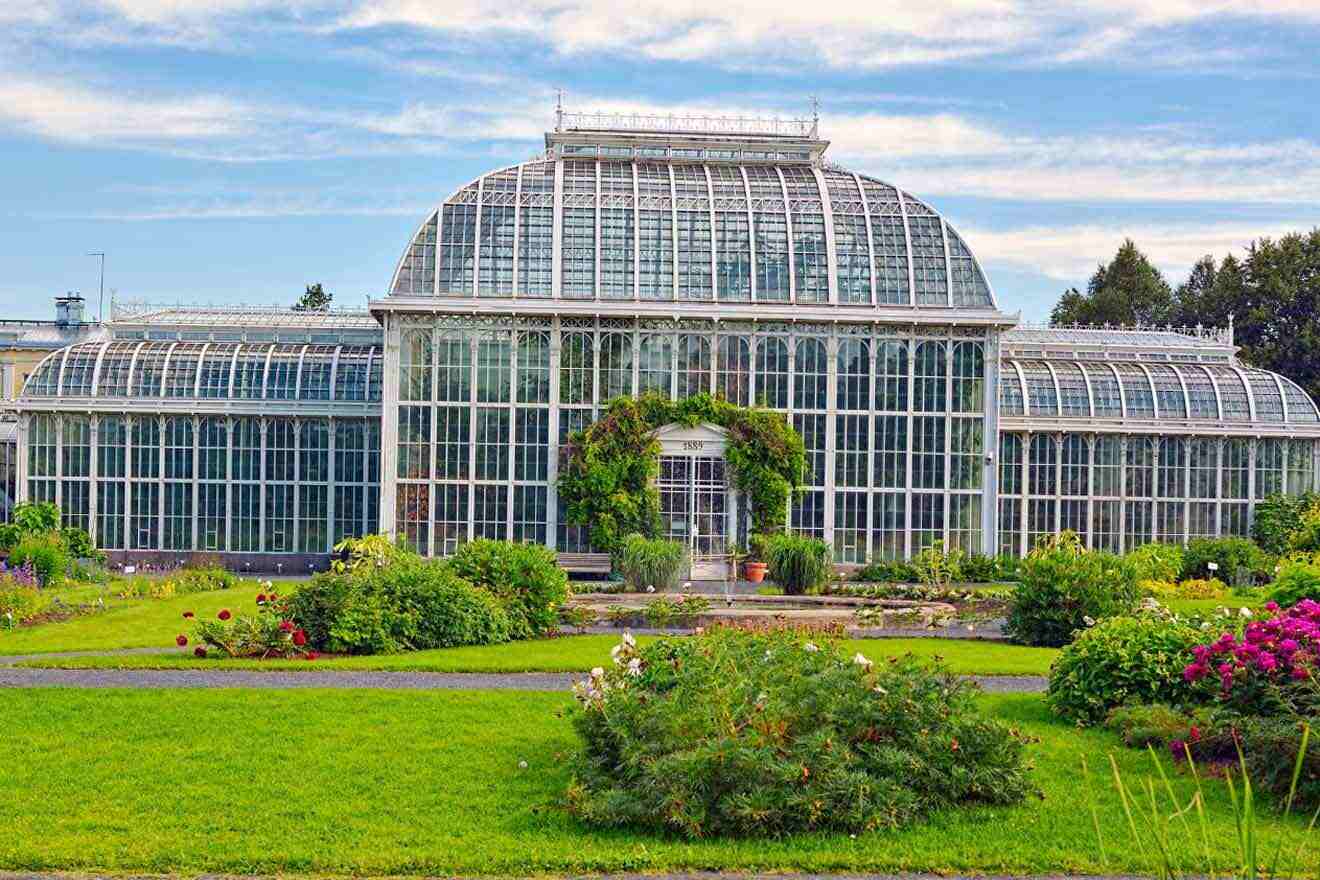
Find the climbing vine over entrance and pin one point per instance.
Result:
(607, 472)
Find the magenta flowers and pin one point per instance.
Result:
(1280, 648)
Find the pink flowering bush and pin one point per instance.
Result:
(1270, 668)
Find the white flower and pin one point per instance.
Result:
(1088, 620)
(628, 640)
(861, 660)
(810, 647)
(879, 690)
(650, 589)
(522, 765)
(635, 666)
(1244, 612)
(598, 672)
(767, 655)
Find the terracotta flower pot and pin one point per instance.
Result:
(755, 571)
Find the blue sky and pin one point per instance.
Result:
(234, 150)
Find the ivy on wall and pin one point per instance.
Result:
(607, 472)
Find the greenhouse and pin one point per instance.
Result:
(676, 256)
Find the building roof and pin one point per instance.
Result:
(209, 371)
(620, 210)
(1160, 394)
(243, 323)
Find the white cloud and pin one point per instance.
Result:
(846, 34)
(1071, 253)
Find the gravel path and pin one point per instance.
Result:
(14, 677)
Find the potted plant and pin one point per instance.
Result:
(755, 567)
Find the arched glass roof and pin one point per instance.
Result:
(206, 370)
(714, 231)
(1094, 390)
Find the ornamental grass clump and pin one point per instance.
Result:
(737, 732)
(653, 563)
(799, 564)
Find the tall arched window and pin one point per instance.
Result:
(656, 368)
(616, 365)
(853, 383)
(772, 372)
(693, 364)
(733, 369)
(891, 381)
(810, 374)
(576, 359)
(968, 377)
(930, 377)
(415, 365)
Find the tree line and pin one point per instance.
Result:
(1272, 294)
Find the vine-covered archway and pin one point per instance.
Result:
(607, 472)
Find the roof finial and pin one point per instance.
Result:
(815, 116)
(559, 109)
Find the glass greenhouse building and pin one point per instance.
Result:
(676, 256)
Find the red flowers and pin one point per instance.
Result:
(199, 651)
(224, 614)
(261, 598)
(188, 615)
(299, 638)
(181, 640)
(312, 655)
(286, 626)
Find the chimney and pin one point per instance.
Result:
(68, 310)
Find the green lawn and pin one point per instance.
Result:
(575, 654)
(377, 783)
(127, 623)
(1210, 606)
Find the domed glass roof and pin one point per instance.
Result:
(611, 217)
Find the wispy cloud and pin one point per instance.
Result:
(850, 34)
(1071, 253)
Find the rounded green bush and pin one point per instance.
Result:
(1063, 586)
(1240, 562)
(445, 611)
(526, 578)
(1156, 562)
(50, 561)
(1119, 661)
(733, 732)
(1297, 579)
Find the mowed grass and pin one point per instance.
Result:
(1210, 606)
(376, 783)
(573, 654)
(126, 623)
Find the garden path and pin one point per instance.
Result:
(20, 677)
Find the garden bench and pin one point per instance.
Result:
(585, 563)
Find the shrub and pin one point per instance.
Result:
(1157, 724)
(1270, 669)
(683, 611)
(798, 564)
(883, 571)
(1238, 560)
(1063, 586)
(651, 562)
(736, 732)
(939, 567)
(1121, 660)
(441, 610)
(413, 604)
(1189, 589)
(526, 578)
(346, 613)
(1305, 536)
(266, 634)
(1276, 518)
(203, 579)
(1297, 579)
(45, 553)
(1156, 562)
(1270, 747)
(19, 603)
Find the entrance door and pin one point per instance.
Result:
(694, 492)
